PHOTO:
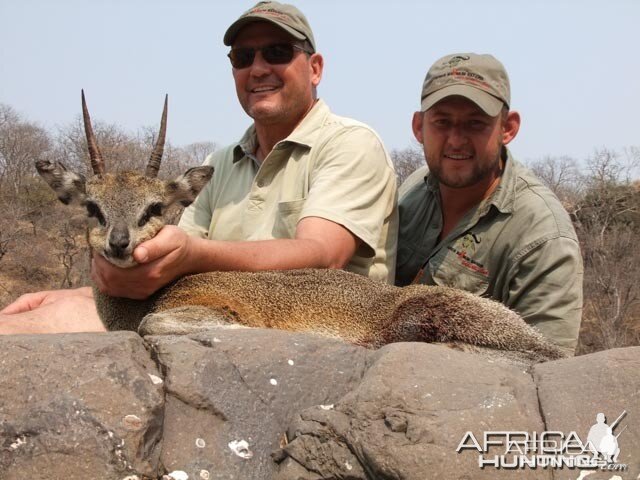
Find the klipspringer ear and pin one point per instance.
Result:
(187, 186)
(69, 186)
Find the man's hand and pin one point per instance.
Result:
(171, 254)
(162, 259)
(33, 301)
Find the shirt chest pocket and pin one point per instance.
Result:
(287, 216)
(449, 269)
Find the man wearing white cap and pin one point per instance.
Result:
(476, 219)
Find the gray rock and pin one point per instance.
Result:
(235, 385)
(95, 406)
(78, 406)
(408, 416)
(573, 391)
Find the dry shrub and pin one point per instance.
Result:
(611, 289)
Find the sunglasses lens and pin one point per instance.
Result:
(274, 54)
(241, 57)
(278, 54)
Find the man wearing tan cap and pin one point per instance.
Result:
(474, 218)
(305, 187)
(302, 188)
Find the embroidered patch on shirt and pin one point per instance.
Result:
(465, 248)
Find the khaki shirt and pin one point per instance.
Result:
(517, 247)
(329, 167)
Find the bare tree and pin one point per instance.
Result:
(122, 150)
(608, 223)
(197, 152)
(8, 118)
(21, 142)
(612, 292)
(610, 197)
(179, 159)
(6, 239)
(632, 161)
(563, 177)
(70, 250)
(126, 151)
(407, 160)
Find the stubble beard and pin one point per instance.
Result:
(279, 114)
(275, 114)
(267, 115)
(477, 174)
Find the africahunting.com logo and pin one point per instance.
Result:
(549, 449)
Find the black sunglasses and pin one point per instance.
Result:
(278, 54)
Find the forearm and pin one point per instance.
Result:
(21, 323)
(280, 254)
(318, 243)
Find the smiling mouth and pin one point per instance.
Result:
(265, 89)
(458, 156)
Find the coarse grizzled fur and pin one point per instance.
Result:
(337, 304)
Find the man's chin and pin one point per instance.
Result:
(456, 179)
(457, 182)
(265, 113)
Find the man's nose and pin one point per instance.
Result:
(457, 136)
(260, 66)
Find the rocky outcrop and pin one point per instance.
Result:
(231, 395)
(78, 406)
(261, 404)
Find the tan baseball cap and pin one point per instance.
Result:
(480, 78)
(282, 15)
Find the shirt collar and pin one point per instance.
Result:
(431, 183)
(504, 196)
(246, 146)
(304, 134)
(308, 129)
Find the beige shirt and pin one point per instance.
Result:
(517, 247)
(329, 167)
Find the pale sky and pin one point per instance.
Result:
(574, 65)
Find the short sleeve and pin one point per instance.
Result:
(353, 184)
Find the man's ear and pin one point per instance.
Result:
(69, 186)
(316, 64)
(187, 186)
(510, 127)
(416, 125)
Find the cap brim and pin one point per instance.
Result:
(234, 29)
(488, 103)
